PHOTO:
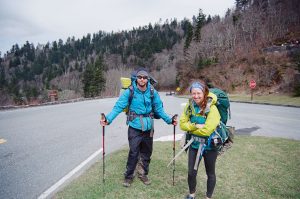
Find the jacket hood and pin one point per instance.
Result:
(213, 98)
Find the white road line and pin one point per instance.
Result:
(169, 138)
(182, 105)
(54, 187)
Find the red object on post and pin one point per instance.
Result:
(252, 84)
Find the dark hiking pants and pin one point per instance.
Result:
(210, 158)
(140, 145)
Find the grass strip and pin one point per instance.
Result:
(255, 167)
(270, 99)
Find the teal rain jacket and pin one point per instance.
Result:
(140, 104)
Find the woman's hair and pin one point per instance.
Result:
(201, 85)
(204, 102)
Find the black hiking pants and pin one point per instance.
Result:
(210, 158)
(140, 146)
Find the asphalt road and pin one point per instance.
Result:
(40, 145)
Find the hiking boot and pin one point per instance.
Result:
(189, 197)
(127, 182)
(145, 179)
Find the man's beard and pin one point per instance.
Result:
(142, 85)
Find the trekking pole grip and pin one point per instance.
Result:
(103, 128)
(174, 117)
(103, 117)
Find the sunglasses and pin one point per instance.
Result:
(142, 77)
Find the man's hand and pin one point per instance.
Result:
(174, 119)
(103, 120)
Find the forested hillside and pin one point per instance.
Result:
(80, 66)
(257, 40)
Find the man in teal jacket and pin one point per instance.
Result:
(140, 117)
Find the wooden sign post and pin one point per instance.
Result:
(252, 86)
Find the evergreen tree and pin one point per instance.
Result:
(174, 23)
(14, 62)
(29, 51)
(228, 12)
(39, 64)
(185, 25)
(242, 4)
(87, 80)
(99, 76)
(208, 20)
(200, 21)
(189, 36)
(93, 79)
(54, 53)
(16, 50)
(2, 76)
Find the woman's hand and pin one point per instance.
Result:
(200, 126)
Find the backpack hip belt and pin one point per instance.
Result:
(199, 139)
(132, 115)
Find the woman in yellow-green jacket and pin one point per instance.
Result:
(200, 118)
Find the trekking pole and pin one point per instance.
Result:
(173, 118)
(103, 146)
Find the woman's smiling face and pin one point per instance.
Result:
(197, 95)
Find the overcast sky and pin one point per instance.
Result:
(40, 21)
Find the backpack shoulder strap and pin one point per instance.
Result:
(152, 97)
(152, 92)
(130, 95)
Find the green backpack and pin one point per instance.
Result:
(223, 104)
(222, 138)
